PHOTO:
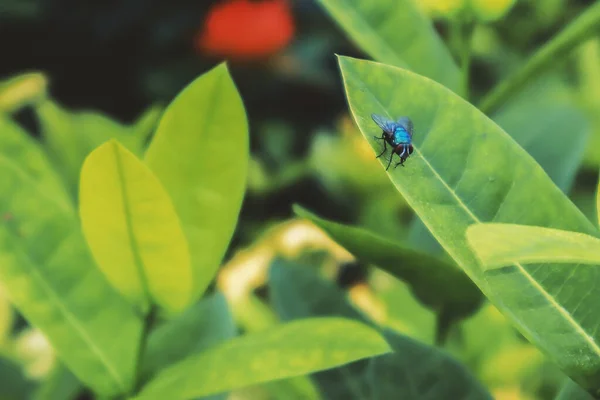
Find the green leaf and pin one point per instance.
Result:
(572, 391)
(133, 230)
(143, 127)
(13, 384)
(466, 170)
(598, 203)
(499, 245)
(413, 371)
(437, 283)
(396, 32)
(492, 348)
(293, 349)
(7, 318)
(537, 120)
(21, 149)
(202, 326)
(70, 136)
(254, 315)
(60, 383)
(296, 388)
(48, 274)
(200, 154)
(22, 90)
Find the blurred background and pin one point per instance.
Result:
(121, 57)
(125, 59)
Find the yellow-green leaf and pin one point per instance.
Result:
(200, 154)
(22, 90)
(294, 349)
(499, 245)
(133, 230)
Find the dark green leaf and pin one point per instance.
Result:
(60, 383)
(202, 326)
(572, 391)
(415, 371)
(437, 283)
(13, 384)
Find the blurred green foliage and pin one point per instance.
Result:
(504, 96)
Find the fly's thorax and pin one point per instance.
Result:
(400, 136)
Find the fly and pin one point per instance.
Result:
(398, 135)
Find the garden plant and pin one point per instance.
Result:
(117, 240)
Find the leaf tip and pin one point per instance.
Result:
(299, 210)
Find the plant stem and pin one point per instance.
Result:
(443, 324)
(467, 29)
(146, 329)
(461, 34)
(584, 27)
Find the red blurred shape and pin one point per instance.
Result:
(247, 30)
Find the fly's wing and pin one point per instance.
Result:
(384, 123)
(407, 124)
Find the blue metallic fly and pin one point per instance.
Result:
(396, 134)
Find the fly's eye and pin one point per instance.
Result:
(410, 149)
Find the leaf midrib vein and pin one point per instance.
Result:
(69, 316)
(590, 340)
(568, 317)
(140, 266)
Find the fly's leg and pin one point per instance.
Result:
(388, 166)
(384, 145)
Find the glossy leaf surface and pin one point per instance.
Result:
(133, 230)
(200, 154)
(290, 350)
(467, 170)
(539, 120)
